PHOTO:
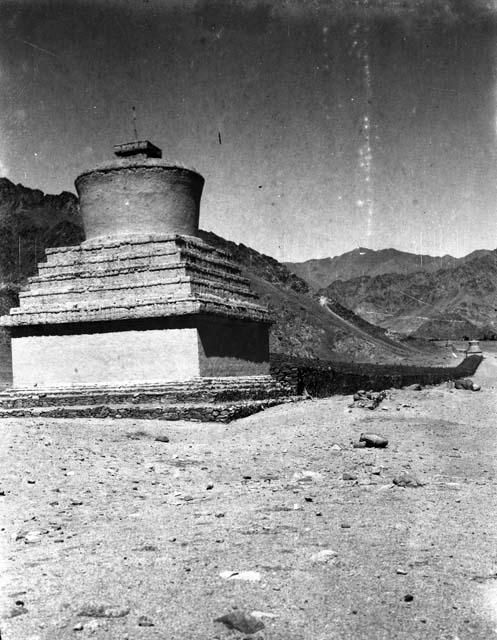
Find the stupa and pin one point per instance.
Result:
(143, 301)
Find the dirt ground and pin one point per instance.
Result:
(109, 533)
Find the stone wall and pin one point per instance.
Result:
(321, 378)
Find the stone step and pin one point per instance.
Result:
(207, 392)
(55, 275)
(109, 250)
(130, 292)
(197, 412)
(119, 309)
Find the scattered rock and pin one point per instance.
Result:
(376, 471)
(209, 486)
(368, 399)
(408, 597)
(93, 610)
(161, 438)
(414, 387)
(467, 384)
(324, 556)
(401, 572)
(407, 480)
(145, 621)
(244, 622)
(373, 440)
(78, 627)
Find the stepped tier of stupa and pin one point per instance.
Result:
(143, 300)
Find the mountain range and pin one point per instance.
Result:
(321, 272)
(423, 296)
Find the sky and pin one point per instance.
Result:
(320, 126)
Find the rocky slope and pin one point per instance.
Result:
(453, 302)
(30, 221)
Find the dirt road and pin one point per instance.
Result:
(106, 531)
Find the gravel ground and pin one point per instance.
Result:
(109, 533)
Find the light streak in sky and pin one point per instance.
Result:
(3, 139)
(361, 50)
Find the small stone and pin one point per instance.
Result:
(209, 486)
(475, 387)
(244, 622)
(78, 627)
(161, 438)
(376, 471)
(17, 611)
(19, 535)
(324, 556)
(31, 481)
(145, 621)
(466, 384)
(263, 614)
(414, 387)
(345, 525)
(146, 547)
(359, 445)
(306, 476)
(249, 576)
(373, 440)
(93, 610)
(33, 537)
(220, 514)
(407, 480)
(408, 597)
(92, 626)
(401, 572)
(349, 476)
